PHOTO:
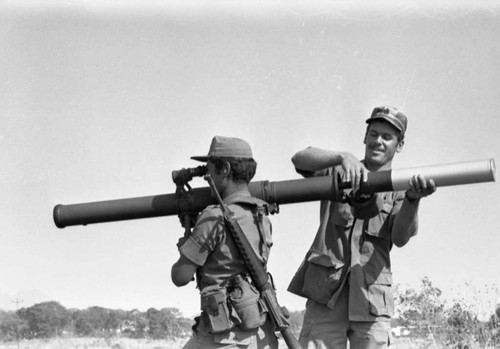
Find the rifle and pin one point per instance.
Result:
(282, 192)
(258, 274)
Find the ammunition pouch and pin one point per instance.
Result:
(214, 305)
(248, 309)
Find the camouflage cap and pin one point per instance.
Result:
(392, 116)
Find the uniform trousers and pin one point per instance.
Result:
(324, 328)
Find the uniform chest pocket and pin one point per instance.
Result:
(322, 278)
(378, 226)
(380, 295)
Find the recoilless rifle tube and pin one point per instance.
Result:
(280, 192)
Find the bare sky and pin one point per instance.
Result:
(103, 100)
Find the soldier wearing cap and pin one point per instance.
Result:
(346, 274)
(231, 316)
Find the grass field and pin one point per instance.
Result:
(95, 343)
(126, 343)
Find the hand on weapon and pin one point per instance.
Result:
(188, 220)
(354, 171)
(420, 187)
(181, 178)
(182, 240)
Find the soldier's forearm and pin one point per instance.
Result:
(315, 159)
(406, 223)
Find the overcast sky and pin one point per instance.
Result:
(102, 100)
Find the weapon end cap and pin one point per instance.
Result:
(493, 168)
(57, 214)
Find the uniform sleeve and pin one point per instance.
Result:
(205, 236)
(308, 174)
(398, 202)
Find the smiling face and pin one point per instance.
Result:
(381, 144)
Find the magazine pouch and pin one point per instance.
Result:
(214, 305)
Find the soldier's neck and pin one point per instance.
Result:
(378, 167)
(234, 187)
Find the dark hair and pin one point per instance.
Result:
(243, 169)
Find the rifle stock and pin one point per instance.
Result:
(280, 192)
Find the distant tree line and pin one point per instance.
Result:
(51, 319)
(420, 312)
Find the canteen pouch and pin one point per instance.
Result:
(244, 298)
(214, 305)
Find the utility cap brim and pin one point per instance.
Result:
(227, 147)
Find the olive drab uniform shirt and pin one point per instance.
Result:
(354, 253)
(215, 253)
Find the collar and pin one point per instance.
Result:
(236, 196)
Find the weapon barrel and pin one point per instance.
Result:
(280, 192)
(443, 175)
(130, 208)
(446, 175)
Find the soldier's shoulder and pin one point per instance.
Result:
(247, 199)
(211, 211)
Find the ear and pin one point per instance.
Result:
(400, 145)
(226, 168)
